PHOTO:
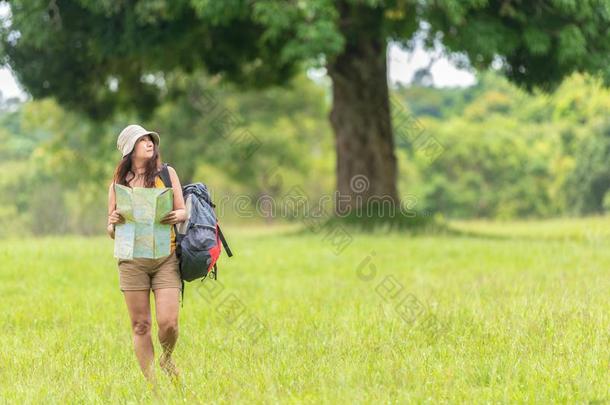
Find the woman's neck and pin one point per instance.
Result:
(138, 167)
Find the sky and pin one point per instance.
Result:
(9, 86)
(402, 66)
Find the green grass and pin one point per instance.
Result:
(518, 316)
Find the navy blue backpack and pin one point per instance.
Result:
(199, 247)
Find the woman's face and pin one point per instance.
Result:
(144, 148)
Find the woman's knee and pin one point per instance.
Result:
(168, 326)
(141, 327)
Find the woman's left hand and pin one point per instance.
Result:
(173, 217)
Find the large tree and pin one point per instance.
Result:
(99, 56)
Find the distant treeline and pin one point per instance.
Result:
(506, 153)
(489, 150)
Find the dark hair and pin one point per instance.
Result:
(153, 167)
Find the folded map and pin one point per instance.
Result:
(142, 234)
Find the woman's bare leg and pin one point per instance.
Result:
(138, 305)
(166, 309)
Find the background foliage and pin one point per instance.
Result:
(506, 153)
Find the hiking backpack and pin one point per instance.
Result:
(198, 248)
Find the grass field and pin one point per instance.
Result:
(507, 313)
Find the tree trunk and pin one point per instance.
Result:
(360, 115)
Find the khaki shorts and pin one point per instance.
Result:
(145, 274)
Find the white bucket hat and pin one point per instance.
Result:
(130, 134)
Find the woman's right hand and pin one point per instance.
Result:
(115, 218)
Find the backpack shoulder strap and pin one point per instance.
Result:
(165, 176)
(167, 181)
(224, 242)
(182, 292)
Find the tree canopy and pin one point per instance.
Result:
(106, 57)
(98, 56)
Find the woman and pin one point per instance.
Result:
(140, 167)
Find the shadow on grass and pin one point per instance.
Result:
(416, 225)
(410, 225)
(558, 237)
